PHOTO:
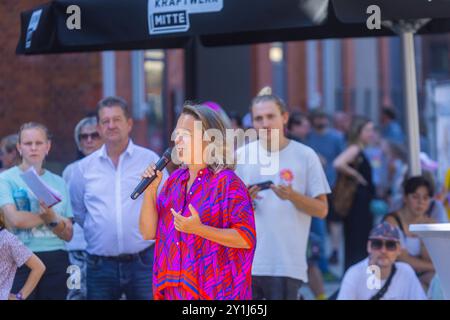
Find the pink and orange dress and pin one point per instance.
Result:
(187, 266)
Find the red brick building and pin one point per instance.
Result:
(56, 90)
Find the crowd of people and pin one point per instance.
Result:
(208, 229)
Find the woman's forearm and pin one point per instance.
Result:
(37, 270)
(148, 219)
(29, 220)
(21, 219)
(348, 170)
(418, 264)
(226, 237)
(64, 230)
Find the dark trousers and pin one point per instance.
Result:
(108, 278)
(357, 226)
(275, 288)
(53, 284)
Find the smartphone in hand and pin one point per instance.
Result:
(262, 185)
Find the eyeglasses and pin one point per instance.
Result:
(85, 136)
(377, 244)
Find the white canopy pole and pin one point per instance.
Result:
(406, 30)
(412, 110)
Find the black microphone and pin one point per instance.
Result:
(160, 165)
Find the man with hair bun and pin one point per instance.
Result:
(283, 212)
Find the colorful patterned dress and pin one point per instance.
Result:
(187, 266)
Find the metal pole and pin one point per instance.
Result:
(109, 73)
(406, 30)
(412, 112)
(190, 69)
(138, 84)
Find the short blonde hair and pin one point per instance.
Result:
(33, 125)
(212, 120)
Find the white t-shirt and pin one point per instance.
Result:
(281, 229)
(404, 285)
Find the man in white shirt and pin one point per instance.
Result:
(379, 277)
(119, 260)
(283, 212)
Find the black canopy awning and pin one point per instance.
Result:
(147, 24)
(141, 24)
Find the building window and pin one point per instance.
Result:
(439, 59)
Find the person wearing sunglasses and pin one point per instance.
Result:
(87, 140)
(87, 136)
(379, 276)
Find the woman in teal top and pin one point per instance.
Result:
(43, 230)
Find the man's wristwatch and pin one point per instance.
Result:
(19, 296)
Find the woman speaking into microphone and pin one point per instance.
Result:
(202, 220)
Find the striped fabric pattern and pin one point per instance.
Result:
(190, 267)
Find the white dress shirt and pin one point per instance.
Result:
(102, 204)
(78, 243)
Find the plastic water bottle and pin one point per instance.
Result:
(23, 204)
